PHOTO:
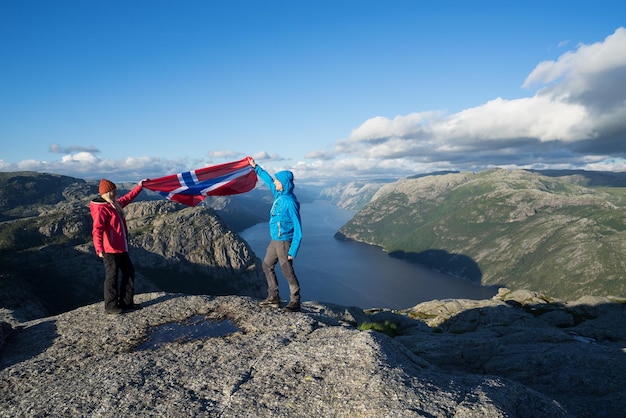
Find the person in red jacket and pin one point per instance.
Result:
(110, 240)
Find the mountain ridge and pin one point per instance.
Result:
(516, 229)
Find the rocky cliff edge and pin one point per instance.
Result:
(516, 355)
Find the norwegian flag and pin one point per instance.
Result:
(191, 187)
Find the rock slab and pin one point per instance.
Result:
(265, 362)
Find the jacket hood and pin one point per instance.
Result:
(286, 179)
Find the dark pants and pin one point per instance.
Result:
(277, 253)
(124, 296)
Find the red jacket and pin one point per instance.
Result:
(110, 233)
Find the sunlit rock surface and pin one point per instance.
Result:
(516, 355)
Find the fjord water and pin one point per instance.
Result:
(355, 274)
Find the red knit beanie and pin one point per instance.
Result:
(106, 186)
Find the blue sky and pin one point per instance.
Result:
(328, 89)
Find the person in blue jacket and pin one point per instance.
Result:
(286, 233)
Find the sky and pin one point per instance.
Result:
(331, 90)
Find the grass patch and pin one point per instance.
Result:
(388, 328)
(420, 315)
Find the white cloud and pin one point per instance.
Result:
(31, 165)
(320, 155)
(577, 115)
(536, 117)
(80, 158)
(224, 154)
(380, 127)
(611, 164)
(266, 156)
(576, 118)
(587, 60)
(60, 149)
(87, 166)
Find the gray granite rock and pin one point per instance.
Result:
(572, 352)
(184, 356)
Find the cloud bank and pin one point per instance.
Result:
(576, 119)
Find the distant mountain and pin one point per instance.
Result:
(48, 264)
(434, 173)
(588, 178)
(352, 195)
(241, 211)
(23, 193)
(518, 229)
(245, 210)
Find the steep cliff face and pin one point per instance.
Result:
(48, 264)
(512, 228)
(242, 211)
(194, 245)
(352, 195)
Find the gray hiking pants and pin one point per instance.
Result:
(277, 253)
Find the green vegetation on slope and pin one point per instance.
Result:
(513, 228)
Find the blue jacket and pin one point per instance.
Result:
(285, 222)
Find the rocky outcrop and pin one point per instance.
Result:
(516, 355)
(195, 245)
(48, 264)
(572, 352)
(184, 355)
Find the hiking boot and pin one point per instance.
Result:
(270, 301)
(292, 307)
(131, 307)
(114, 311)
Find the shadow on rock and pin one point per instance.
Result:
(569, 351)
(23, 343)
(457, 265)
